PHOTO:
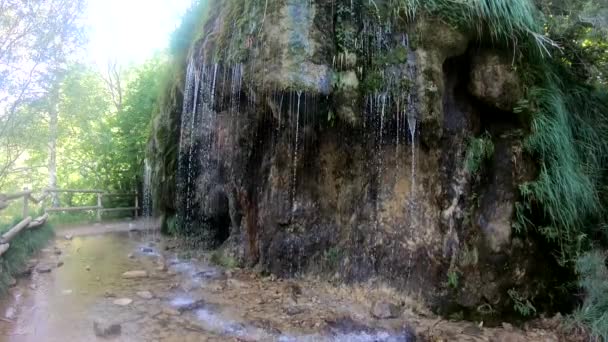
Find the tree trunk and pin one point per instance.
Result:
(53, 132)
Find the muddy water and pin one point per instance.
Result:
(195, 301)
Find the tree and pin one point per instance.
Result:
(35, 38)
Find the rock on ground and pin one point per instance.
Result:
(123, 301)
(385, 310)
(104, 329)
(145, 294)
(135, 274)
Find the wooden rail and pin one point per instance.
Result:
(26, 223)
(29, 223)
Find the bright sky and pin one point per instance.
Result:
(130, 30)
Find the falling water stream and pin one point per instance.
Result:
(295, 157)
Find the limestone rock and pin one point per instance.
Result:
(385, 310)
(44, 268)
(104, 329)
(123, 301)
(145, 294)
(135, 274)
(346, 96)
(495, 81)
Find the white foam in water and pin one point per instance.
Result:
(182, 301)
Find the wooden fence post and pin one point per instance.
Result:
(26, 200)
(99, 206)
(136, 203)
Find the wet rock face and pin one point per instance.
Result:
(494, 80)
(303, 157)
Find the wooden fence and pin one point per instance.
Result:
(29, 223)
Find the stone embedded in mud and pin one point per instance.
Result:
(123, 301)
(135, 274)
(104, 329)
(145, 294)
(385, 310)
(171, 312)
(294, 310)
(147, 250)
(12, 282)
(44, 268)
(188, 305)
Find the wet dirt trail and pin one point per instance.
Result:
(113, 283)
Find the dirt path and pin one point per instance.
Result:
(87, 298)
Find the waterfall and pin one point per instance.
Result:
(199, 148)
(295, 157)
(147, 207)
(412, 112)
(411, 122)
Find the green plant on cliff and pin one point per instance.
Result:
(479, 150)
(594, 282)
(521, 304)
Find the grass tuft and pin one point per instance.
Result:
(21, 249)
(593, 273)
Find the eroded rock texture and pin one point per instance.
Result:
(322, 142)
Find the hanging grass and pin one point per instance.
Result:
(594, 281)
(569, 137)
(505, 22)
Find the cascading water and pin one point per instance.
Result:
(147, 196)
(295, 156)
(412, 113)
(199, 146)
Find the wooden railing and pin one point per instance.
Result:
(26, 223)
(29, 223)
(99, 208)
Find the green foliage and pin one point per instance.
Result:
(453, 279)
(479, 150)
(521, 304)
(22, 248)
(333, 256)
(569, 136)
(593, 274)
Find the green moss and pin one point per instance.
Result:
(221, 259)
(397, 55)
(373, 82)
